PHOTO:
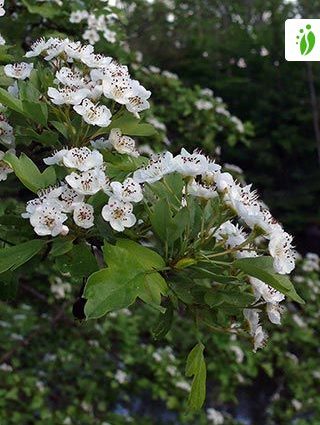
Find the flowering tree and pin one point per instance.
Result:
(175, 232)
(165, 230)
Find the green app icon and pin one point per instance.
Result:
(306, 39)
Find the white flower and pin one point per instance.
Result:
(113, 72)
(118, 214)
(2, 41)
(77, 16)
(20, 71)
(37, 48)
(158, 167)
(233, 235)
(2, 10)
(128, 191)
(91, 35)
(269, 294)
(83, 215)
(137, 100)
(202, 190)
(56, 158)
(215, 416)
(96, 61)
(6, 133)
(69, 197)
(274, 313)
(121, 376)
(86, 183)
(224, 182)
(67, 95)
(281, 249)
(118, 89)
(59, 288)
(203, 105)
(256, 331)
(93, 114)
(55, 47)
(48, 219)
(183, 385)
(190, 164)
(44, 196)
(5, 169)
(122, 144)
(70, 78)
(83, 159)
(110, 36)
(75, 50)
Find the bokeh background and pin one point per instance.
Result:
(219, 83)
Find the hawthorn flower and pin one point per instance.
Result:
(78, 15)
(122, 144)
(231, 234)
(5, 169)
(69, 198)
(190, 164)
(137, 100)
(96, 61)
(6, 132)
(93, 114)
(117, 89)
(70, 78)
(83, 215)
(214, 416)
(20, 71)
(128, 191)
(91, 35)
(44, 196)
(2, 10)
(224, 182)
(56, 158)
(269, 294)
(38, 47)
(55, 47)
(48, 219)
(256, 331)
(2, 41)
(158, 167)
(87, 182)
(203, 105)
(274, 313)
(83, 159)
(118, 214)
(67, 95)
(202, 190)
(75, 50)
(281, 249)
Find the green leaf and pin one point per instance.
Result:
(196, 367)
(10, 101)
(234, 297)
(37, 111)
(28, 173)
(61, 246)
(262, 268)
(14, 256)
(164, 323)
(131, 273)
(46, 10)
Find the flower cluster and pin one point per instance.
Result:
(85, 80)
(95, 25)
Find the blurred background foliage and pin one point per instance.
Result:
(261, 116)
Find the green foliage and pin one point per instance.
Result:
(132, 272)
(28, 173)
(196, 367)
(14, 256)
